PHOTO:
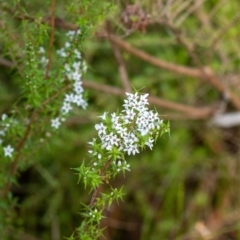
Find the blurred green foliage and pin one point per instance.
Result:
(190, 178)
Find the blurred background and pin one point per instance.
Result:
(186, 55)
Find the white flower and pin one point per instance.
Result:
(69, 97)
(143, 131)
(55, 123)
(2, 132)
(84, 104)
(4, 116)
(149, 143)
(41, 50)
(67, 67)
(92, 142)
(130, 114)
(101, 129)
(103, 117)
(44, 60)
(115, 118)
(66, 107)
(143, 99)
(76, 65)
(77, 86)
(75, 76)
(80, 101)
(78, 54)
(61, 52)
(110, 140)
(131, 149)
(70, 33)
(8, 151)
(67, 44)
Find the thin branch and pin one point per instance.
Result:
(188, 12)
(183, 5)
(6, 63)
(95, 193)
(204, 74)
(200, 113)
(190, 48)
(121, 64)
(188, 71)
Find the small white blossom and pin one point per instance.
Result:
(103, 117)
(67, 44)
(67, 67)
(77, 86)
(76, 65)
(4, 116)
(69, 98)
(132, 149)
(44, 60)
(150, 142)
(62, 53)
(101, 129)
(66, 107)
(70, 33)
(8, 151)
(92, 142)
(2, 132)
(41, 50)
(55, 123)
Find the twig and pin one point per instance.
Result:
(204, 74)
(190, 11)
(183, 5)
(121, 63)
(200, 113)
(95, 193)
(6, 63)
(188, 71)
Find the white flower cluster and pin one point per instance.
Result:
(5, 124)
(73, 72)
(133, 128)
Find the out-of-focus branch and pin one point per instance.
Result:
(6, 63)
(204, 74)
(121, 64)
(189, 11)
(188, 71)
(200, 113)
